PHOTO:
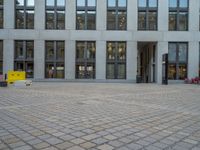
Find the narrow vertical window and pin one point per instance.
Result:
(55, 14)
(85, 59)
(147, 14)
(116, 15)
(86, 15)
(116, 60)
(24, 55)
(1, 57)
(178, 61)
(24, 12)
(1, 14)
(178, 15)
(55, 59)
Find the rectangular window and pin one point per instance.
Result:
(86, 15)
(24, 12)
(116, 60)
(85, 59)
(178, 61)
(147, 14)
(1, 14)
(1, 57)
(178, 15)
(55, 14)
(24, 56)
(55, 59)
(116, 15)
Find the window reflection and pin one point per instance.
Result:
(122, 3)
(60, 2)
(60, 19)
(30, 19)
(173, 3)
(172, 20)
(111, 3)
(183, 19)
(85, 60)
(50, 2)
(50, 19)
(152, 3)
(1, 18)
(86, 15)
(80, 2)
(91, 2)
(20, 2)
(116, 60)
(142, 3)
(111, 19)
(23, 61)
(30, 3)
(183, 3)
(142, 20)
(177, 61)
(122, 20)
(1, 2)
(55, 56)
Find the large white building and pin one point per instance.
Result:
(101, 40)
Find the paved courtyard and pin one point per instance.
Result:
(100, 116)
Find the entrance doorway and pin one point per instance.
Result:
(146, 64)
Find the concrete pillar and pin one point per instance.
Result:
(100, 60)
(39, 59)
(194, 6)
(39, 14)
(101, 14)
(132, 15)
(70, 17)
(162, 48)
(8, 55)
(193, 59)
(9, 17)
(163, 15)
(70, 51)
(131, 61)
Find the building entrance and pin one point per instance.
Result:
(146, 64)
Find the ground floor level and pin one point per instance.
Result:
(100, 60)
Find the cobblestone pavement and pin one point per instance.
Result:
(100, 116)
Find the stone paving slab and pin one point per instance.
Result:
(95, 116)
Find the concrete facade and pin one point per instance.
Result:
(70, 35)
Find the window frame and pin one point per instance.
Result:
(55, 9)
(85, 61)
(116, 62)
(25, 61)
(2, 10)
(55, 61)
(116, 9)
(146, 10)
(25, 8)
(179, 10)
(177, 62)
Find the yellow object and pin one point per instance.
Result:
(13, 76)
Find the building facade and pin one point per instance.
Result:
(101, 40)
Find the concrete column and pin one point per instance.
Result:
(101, 14)
(131, 61)
(193, 59)
(8, 55)
(39, 59)
(194, 6)
(9, 14)
(70, 17)
(132, 15)
(100, 60)
(162, 48)
(70, 51)
(163, 15)
(39, 14)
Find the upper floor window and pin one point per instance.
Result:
(24, 12)
(147, 14)
(178, 15)
(86, 15)
(1, 14)
(116, 14)
(55, 14)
